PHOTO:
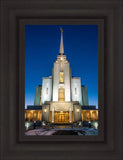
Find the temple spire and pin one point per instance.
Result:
(61, 51)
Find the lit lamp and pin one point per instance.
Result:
(45, 110)
(77, 110)
(27, 125)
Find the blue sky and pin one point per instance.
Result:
(42, 43)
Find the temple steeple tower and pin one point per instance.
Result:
(61, 51)
(61, 56)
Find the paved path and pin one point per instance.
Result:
(88, 131)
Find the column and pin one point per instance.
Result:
(53, 115)
(70, 115)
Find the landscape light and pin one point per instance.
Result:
(77, 110)
(96, 125)
(27, 125)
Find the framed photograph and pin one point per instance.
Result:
(61, 104)
(61, 84)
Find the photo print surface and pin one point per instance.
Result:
(61, 80)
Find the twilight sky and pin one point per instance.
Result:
(42, 43)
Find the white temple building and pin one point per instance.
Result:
(60, 97)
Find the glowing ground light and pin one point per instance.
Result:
(96, 125)
(77, 110)
(27, 125)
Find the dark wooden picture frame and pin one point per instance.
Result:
(108, 16)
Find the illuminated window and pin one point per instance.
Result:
(47, 91)
(75, 91)
(40, 92)
(61, 94)
(61, 77)
(61, 74)
(61, 67)
(40, 102)
(40, 97)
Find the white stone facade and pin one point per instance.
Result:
(56, 76)
(67, 79)
(46, 90)
(76, 90)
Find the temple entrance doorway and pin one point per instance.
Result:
(61, 117)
